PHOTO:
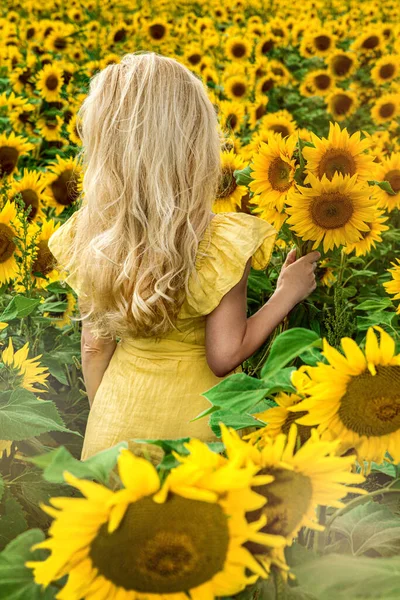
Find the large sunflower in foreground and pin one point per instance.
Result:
(273, 169)
(339, 153)
(144, 542)
(356, 398)
(393, 287)
(312, 476)
(335, 212)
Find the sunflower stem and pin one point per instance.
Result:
(320, 536)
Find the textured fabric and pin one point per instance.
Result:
(151, 389)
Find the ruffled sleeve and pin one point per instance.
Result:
(59, 245)
(228, 242)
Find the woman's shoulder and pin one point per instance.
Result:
(228, 242)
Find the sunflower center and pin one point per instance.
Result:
(279, 175)
(30, 198)
(120, 35)
(341, 65)
(387, 71)
(387, 110)
(260, 111)
(331, 210)
(267, 46)
(157, 31)
(194, 59)
(163, 548)
(267, 85)
(52, 82)
(227, 185)
(342, 104)
(336, 161)
(288, 501)
(44, 262)
(322, 42)
(371, 404)
(322, 81)
(8, 159)
(64, 188)
(238, 50)
(371, 42)
(393, 177)
(7, 246)
(238, 89)
(282, 129)
(231, 121)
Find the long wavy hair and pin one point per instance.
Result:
(151, 143)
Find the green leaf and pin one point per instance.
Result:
(374, 304)
(237, 393)
(369, 527)
(384, 185)
(336, 577)
(376, 318)
(243, 176)
(231, 419)
(18, 308)
(56, 368)
(16, 580)
(23, 416)
(12, 519)
(286, 347)
(98, 466)
(280, 381)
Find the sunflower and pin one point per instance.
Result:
(185, 537)
(370, 41)
(31, 187)
(64, 183)
(10, 226)
(388, 170)
(237, 48)
(231, 114)
(338, 153)
(342, 64)
(279, 420)
(326, 274)
(386, 108)
(265, 44)
(320, 81)
(23, 371)
(393, 287)
(369, 238)
(157, 30)
(236, 87)
(119, 33)
(50, 127)
(253, 147)
(303, 480)
(341, 103)
(11, 148)
(49, 82)
(22, 118)
(60, 38)
(273, 169)
(72, 130)
(257, 110)
(386, 69)
(279, 71)
(280, 122)
(335, 212)
(265, 83)
(60, 319)
(193, 55)
(320, 42)
(230, 193)
(356, 398)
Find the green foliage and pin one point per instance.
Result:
(339, 322)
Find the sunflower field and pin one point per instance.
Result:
(306, 505)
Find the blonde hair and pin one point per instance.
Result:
(151, 146)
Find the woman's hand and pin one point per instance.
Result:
(297, 276)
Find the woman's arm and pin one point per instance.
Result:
(96, 356)
(231, 337)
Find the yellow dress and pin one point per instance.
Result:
(150, 389)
